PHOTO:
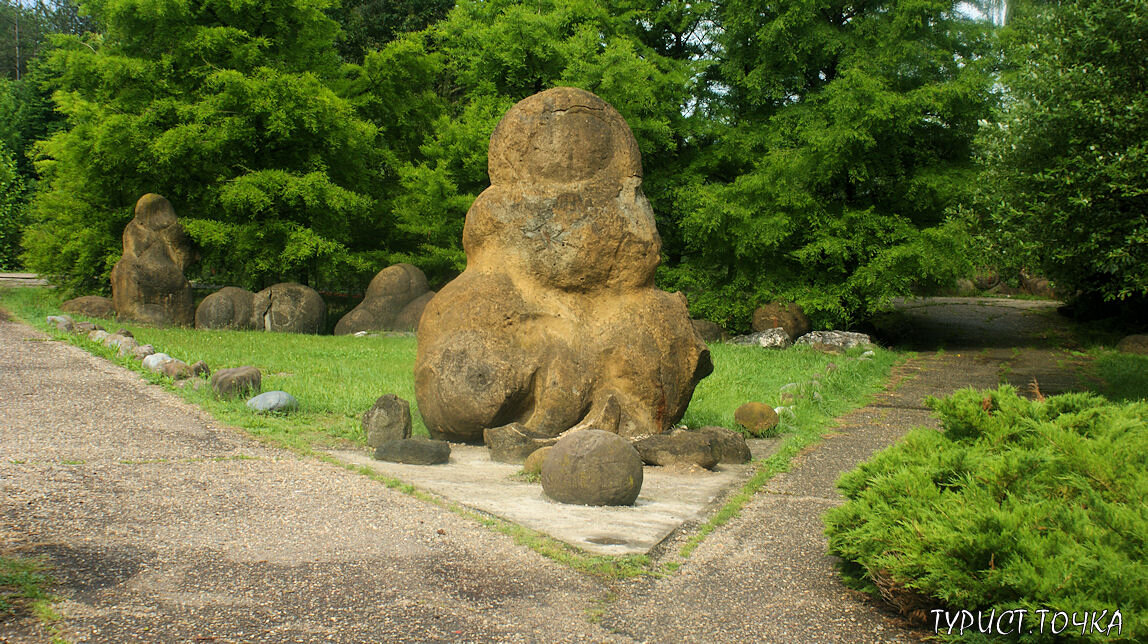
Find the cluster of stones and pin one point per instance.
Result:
(780, 325)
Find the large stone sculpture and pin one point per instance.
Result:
(286, 307)
(394, 301)
(556, 323)
(147, 283)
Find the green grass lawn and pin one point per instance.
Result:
(337, 378)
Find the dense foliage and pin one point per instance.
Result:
(228, 110)
(800, 151)
(11, 211)
(1016, 504)
(1067, 165)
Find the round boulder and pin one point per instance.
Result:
(228, 308)
(389, 294)
(1133, 344)
(92, 306)
(592, 467)
(756, 417)
(290, 308)
(788, 316)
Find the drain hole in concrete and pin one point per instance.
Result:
(608, 541)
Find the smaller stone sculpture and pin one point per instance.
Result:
(394, 301)
(147, 283)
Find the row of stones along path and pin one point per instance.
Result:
(164, 526)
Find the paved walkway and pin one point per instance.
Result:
(166, 527)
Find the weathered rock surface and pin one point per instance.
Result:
(414, 451)
(200, 369)
(679, 448)
(556, 323)
(729, 445)
(388, 419)
(388, 296)
(147, 283)
(141, 351)
(98, 336)
(176, 369)
(592, 467)
(775, 338)
(756, 417)
(840, 339)
(278, 401)
(788, 316)
(710, 332)
(61, 322)
(237, 381)
(1133, 344)
(514, 442)
(290, 308)
(228, 308)
(93, 306)
(533, 463)
(84, 327)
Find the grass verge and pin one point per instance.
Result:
(24, 583)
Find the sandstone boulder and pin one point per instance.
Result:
(414, 451)
(200, 369)
(729, 445)
(533, 463)
(788, 316)
(592, 467)
(93, 306)
(237, 381)
(290, 308)
(679, 448)
(175, 369)
(228, 308)
(556, 323)
(710, 332)
(1133, 344)
(757, 418)
(84, 327)
(387, 420)
(147, 283)
(514, 442)
(391, 291)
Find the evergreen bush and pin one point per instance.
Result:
(1016, 504)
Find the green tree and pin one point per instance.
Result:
(229, 110)
(1066, 168)
(11, 211)
(842, 137)
(439, 94)
(368, 25)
